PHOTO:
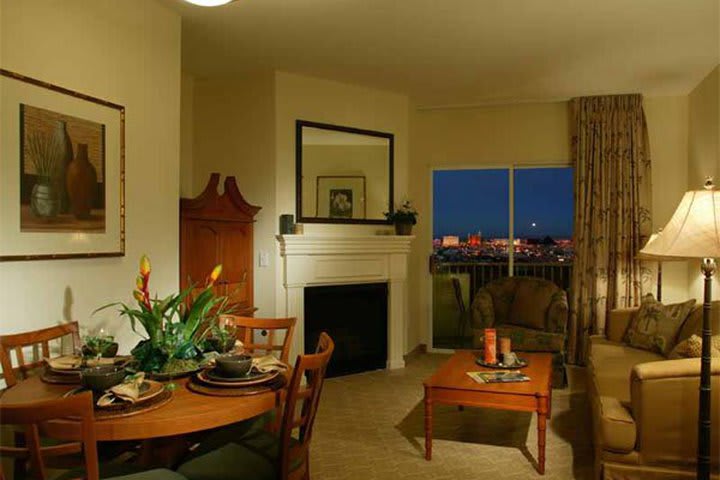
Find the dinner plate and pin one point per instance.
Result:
(216, 380)
(216, 374)
(148, 389)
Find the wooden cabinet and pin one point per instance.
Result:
(218, 229)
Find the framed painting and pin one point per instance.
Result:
(62, 161)
(340, 197)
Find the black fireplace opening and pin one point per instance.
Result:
(355, 316)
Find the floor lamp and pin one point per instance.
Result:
(694, 232)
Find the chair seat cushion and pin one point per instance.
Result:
(256, 457)
(155, 474)
(123, 471)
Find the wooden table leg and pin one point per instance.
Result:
(542, 427)
(428, 423)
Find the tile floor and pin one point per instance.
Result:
(370, 426)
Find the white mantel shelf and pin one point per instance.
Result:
(315, 260)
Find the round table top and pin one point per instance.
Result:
(186, 412)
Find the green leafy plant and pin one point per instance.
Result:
(406, 213)
(97, 345)
(221, 337)
(174, 327)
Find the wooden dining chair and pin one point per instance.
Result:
(40, 341)
(251, 329)
(30, 416)
(263, 455)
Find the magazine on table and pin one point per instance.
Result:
(502, 376)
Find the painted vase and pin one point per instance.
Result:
(81, 183)
(44, 201)
(61, 138)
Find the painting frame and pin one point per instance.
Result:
(353, 187)
(17, 93)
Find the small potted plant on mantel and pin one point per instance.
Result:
(404, 218)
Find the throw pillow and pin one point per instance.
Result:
(531, 303)
(655, 326)
(692, 348)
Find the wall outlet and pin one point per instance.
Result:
(264, 259)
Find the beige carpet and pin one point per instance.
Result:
(370, 426)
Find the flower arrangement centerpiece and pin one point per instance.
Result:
(403, 217)
(174, 327)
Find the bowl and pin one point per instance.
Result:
(233, 365)
(99, 379)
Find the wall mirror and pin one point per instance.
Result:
(344, 174)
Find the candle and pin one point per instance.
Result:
(505, 346)
(490, 346)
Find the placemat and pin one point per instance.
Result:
(198, 387)
(129, 409)
(49, 376)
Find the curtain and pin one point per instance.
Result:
(611, 156)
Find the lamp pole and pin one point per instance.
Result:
(703, 457)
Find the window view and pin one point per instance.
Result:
(472, 214)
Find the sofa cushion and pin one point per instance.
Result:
(617, 427)
(693, 323)
(692, 348)
(655, 327)
(531, 303)
(610, 364)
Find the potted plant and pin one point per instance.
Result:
(404, 218)
(174, 327)
(221, 338)
(99, 345)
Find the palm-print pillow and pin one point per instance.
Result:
(655, 326)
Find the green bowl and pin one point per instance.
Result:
(233, 365)
(101, 378)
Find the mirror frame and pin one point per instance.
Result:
(299, 124)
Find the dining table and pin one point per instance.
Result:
(187, 412)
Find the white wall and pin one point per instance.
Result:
(127, 52)
(528, 134)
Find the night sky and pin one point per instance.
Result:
(468, 201)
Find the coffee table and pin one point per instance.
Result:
(451, 385)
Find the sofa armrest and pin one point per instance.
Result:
(617, 426)
(557, 316)
(664, 400)
(483, 312)
(617, 323)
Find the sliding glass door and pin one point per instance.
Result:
(490, 224)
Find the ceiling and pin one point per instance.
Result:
(463, 52)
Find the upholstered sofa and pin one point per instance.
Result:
(645, 406)
(533, 312)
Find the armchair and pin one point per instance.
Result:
(533, 312)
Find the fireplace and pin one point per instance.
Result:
(355, 316)
(311, 261)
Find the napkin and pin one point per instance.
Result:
(128, 391)
(71, 362)
(268, 363)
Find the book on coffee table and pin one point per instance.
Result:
(498, 377)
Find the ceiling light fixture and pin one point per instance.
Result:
(209, 3)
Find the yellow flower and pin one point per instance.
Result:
(144, 266)
(139, 296)
(215, 273)
(139, 282)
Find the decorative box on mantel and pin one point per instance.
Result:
(314, 260)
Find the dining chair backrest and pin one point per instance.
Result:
(37, 338)
(30, 415)
(303, 399)
(457, 289)
(249, 329)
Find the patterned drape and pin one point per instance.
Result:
(611, 156)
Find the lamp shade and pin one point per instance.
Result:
(693, 231)
(645, 256)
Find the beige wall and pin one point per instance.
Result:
(527, 134)
(307, 98)
(233, 134)
(703, 155)
(187, 134)
(129, 53)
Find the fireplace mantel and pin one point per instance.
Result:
(310, 260)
